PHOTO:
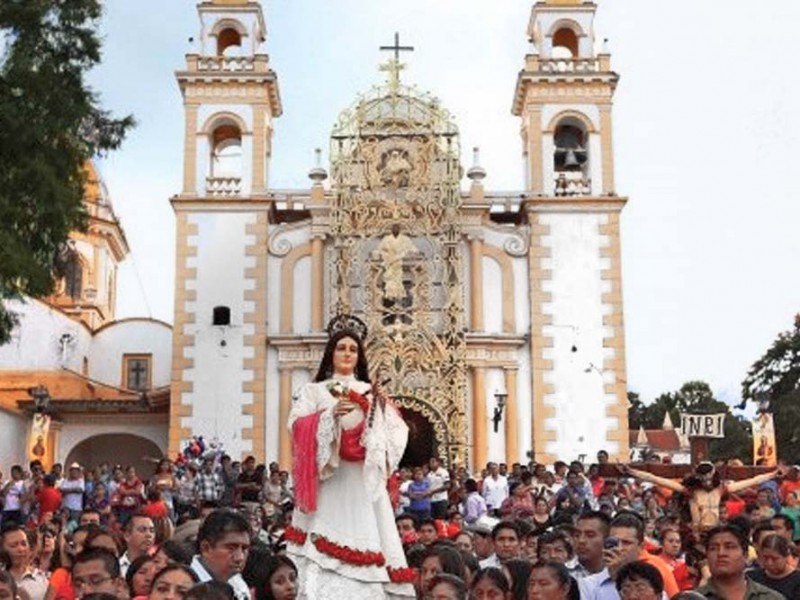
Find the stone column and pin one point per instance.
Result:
(536, 152)
(512, 416)
(608, 150)
(260, 144)
(476, 283)
(480, 440)
(317, 281)
(285, 403)
(190, 150)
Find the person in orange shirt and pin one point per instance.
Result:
(624, 545)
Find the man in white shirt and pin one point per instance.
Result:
(72, 489)
(495, 489)
(439, 480)
(140, 535)
(224, 543)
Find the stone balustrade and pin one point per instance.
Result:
(569, 65)
(223, 187)
(226, 63)
(572, 184)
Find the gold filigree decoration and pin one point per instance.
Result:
(395, 166)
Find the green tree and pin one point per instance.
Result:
(775, 377)
(696, 397)
(636, 410)
(51, 123)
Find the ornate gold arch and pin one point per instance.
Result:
(436, 418)
(395, 181)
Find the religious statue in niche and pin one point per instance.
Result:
(392, 250)
(396, 169)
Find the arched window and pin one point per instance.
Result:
(571, 152)
(228, 42)
(565, 44)
(226, 151)
(69, 269)
(571, 157)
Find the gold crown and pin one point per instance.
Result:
(348, 323)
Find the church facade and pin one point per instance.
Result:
(497, 317)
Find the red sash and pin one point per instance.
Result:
(350, 448)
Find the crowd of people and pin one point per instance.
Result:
(217, 528)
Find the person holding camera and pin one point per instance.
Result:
(624, 544)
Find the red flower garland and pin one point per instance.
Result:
(402, 575)
(296, 536)
(347, 554)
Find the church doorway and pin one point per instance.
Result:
(123, 449)
(421, 439)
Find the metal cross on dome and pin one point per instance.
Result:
(397, 48)
(394, 66)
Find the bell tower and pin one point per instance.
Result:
(230, 98)
(564, 97)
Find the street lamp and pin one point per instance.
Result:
(500, 397)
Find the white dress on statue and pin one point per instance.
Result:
(353, 506)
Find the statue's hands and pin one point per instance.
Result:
(342, 407)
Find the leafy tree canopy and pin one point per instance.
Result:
(51, 123)
(775, 378)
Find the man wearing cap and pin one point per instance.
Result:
(72, 489)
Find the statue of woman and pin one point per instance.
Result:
(346, 439)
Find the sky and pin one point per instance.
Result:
(706, 138)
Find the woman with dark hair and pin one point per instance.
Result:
(518, 571)
(447, 586)
(638, 580)
(163, 481)
(551, 581)
(775, 572)
(440, 559)
(541, 513)
(672, 554)
(490, 583)
(519, 504)
(274, 578)
(347, 438)
(172, 582)
(140, 575)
